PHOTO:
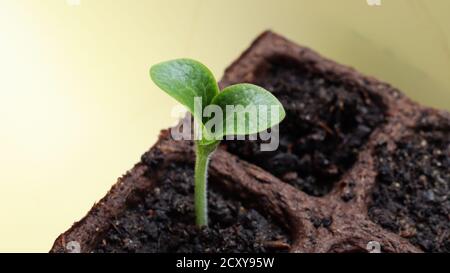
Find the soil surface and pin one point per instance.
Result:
(412, 194)
(163, 222)
(326, 126)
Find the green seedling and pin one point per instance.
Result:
(193, 85)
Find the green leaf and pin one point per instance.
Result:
(255, 110)
(185, 79)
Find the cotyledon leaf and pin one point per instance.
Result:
(247, 109)
(184, 80)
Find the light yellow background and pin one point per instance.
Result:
(77, 108)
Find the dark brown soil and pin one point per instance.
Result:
(163, 222)
(412, 196)
(326, 126)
